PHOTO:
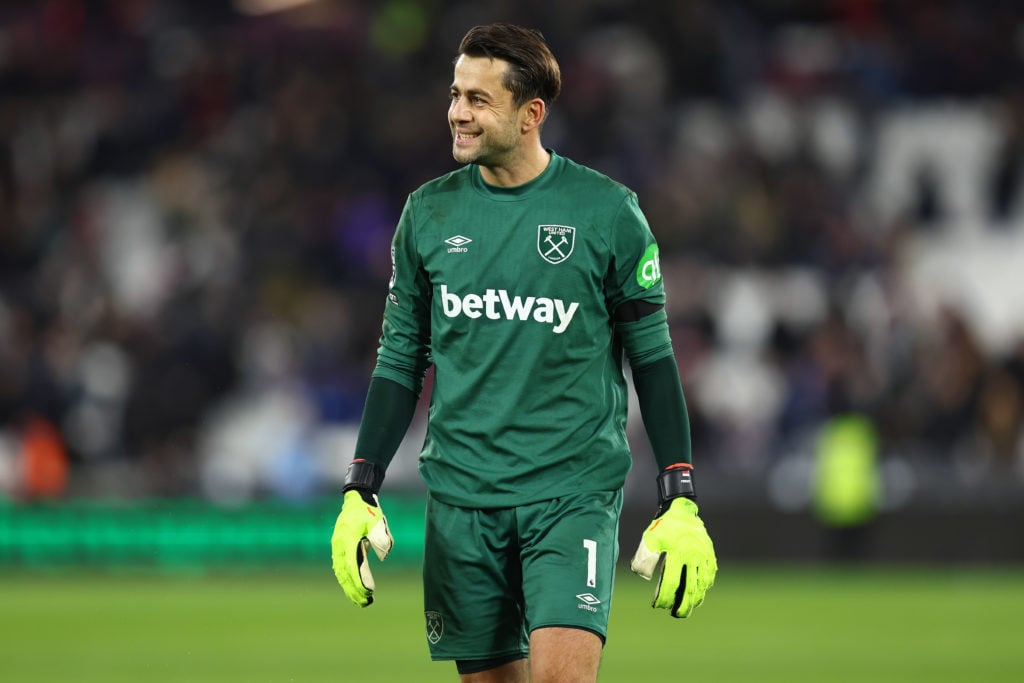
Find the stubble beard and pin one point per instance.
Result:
(490, 149)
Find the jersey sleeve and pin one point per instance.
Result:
(404, 353)
(634, 272)
(648, 346)
(635, 275)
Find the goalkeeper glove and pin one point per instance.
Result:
(677, 544)
(361, 525)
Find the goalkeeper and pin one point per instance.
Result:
(524, 279)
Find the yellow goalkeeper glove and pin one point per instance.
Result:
(361, 525)
(677, 548)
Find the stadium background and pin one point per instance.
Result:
(196, 202)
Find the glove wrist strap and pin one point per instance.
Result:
(675, 481)
(365, 475)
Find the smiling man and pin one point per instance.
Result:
(492, 114)
(525, 279)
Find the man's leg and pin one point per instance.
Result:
(564, 655)
(570, 546)
(472, 590)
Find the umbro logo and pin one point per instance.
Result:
(588, 601)
(458, 244)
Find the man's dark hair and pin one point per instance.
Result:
(532, 71)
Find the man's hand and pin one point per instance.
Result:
(360, 526)
(678, 544)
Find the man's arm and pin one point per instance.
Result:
(361, 524)
(675, 546)
(387, 415)
(402, 361)
(643, 329)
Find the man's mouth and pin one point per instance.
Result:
(462, 137)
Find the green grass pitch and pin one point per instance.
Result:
(762, 624)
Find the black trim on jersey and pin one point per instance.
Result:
(631, 311)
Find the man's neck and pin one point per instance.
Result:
(520, 170)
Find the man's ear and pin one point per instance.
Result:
(533, 113)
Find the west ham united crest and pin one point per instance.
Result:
(435, 626)
(555, 242)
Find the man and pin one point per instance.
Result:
(523, 277)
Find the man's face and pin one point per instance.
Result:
(483, 119)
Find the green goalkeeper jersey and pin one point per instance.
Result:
(509, 292)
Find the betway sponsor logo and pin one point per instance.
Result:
(496, 304)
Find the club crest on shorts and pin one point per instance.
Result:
(435, 626)
(555, 242)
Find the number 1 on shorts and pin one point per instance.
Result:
(591, 547)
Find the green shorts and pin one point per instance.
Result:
(491, 576)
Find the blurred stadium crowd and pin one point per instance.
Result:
(196, 203)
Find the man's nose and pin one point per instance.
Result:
(458, 111)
